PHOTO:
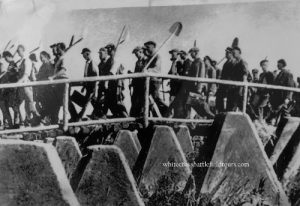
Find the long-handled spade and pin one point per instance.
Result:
(174, 30)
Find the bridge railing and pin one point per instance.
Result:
(146, 117)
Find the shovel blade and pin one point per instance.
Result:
(176, 28)
(235, 42)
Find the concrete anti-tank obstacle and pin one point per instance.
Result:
(126, 142)
(185, 140)
(69, 153)
(239, 143)
(290, 125)
(106, 179)
(165, 156)
(32, 174)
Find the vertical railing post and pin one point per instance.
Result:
(245, 97)
(66, 106)
(146, 109)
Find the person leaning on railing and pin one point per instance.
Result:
(196, 95)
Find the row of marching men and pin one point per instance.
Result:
(43, 103)
(208, 99)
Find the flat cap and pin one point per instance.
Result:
(102, 49)
(183, 52)
(228, 49)
(150, 43)
(138, 48)
(110, 46)
(85, 50)
(61, 45)
(53, 45)
(282, 61)
(254, 70)
(194, 49)
(174, 50)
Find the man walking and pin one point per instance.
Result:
(177, 92)
(138, 85)
(90, 88)
(239, 73)
(24, 71)
(155, 83)
(280, 99)
(226, 74)
(196, 94)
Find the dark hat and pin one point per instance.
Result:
(228, 49)
(61, 45)
(32, 57)
(174, 50)
(53, 45)
(7, 54)
(263, 61)
(255, 71)
(85, 50)
(282, 61)
(150, 43)
(183, 52)
(194, 49)
(110, 46)
(138, 48)
(102, 49)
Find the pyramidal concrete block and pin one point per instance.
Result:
(32, 174)
(126, 142)
(165, 158)
(240, 165)
(69, 153)
(107, 179)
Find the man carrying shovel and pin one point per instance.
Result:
(155, 83)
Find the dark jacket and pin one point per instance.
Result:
(197, 70)
(91, 72)
(265, 78)
(227, 70)
(284, 78)
(175, 85)
(239, 70)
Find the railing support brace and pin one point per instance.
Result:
(245, 98)
(146, 109)
(65, 107)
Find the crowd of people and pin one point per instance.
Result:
(43, 103)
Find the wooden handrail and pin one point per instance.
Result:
(147, 76)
